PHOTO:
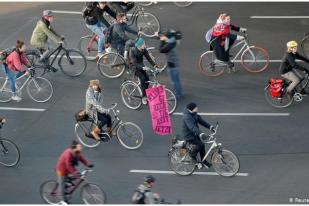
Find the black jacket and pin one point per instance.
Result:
(97, 15)
(137, 57)
(190, 126)
(288, 62)
(169, 48)
(119, 35)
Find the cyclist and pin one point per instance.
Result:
(137, 54)
(2, 120)
(42, 33)
(222, 39)
(95, 110)
(122, 6)
(66, 164)
(96, 22)
(143, 194)
(192, 133)
(289, 66)
(15, 66)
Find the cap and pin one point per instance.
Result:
(191, 106)
(48, 13)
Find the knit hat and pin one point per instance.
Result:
(191, 106)
(139, 42)
(48, 13)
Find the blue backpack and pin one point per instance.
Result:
(5, 53)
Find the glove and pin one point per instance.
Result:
(239, 38)
(243, 30)
(90, 166)
(212, 128)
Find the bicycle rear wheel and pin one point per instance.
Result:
(255, 59)
(209, 65)
(40, 89)
(159, 59)
(171, 100)
(82, 129)
(277, 102)
(5, 90)
(111, 65)
(49, 192)
(87, 48)
(92, 194)
(181, 162)
(149, 24)
(130, 135)
(225, 163)
(9, 153)
(183, 3)
(305, 45)
(131, 95)
(72, 63)
(33, 56)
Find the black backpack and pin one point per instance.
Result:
(138, 197)
(5, 53)
(88, 9)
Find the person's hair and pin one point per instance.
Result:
(19, 44)
(120, 16)
(95, 82)
(74, 144)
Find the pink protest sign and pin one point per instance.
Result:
(158, 106)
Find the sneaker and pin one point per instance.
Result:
(16, 98)
(63, 203)
(199, 166)
(144, 100)
(54, 69)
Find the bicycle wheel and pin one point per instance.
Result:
(277, 102)
(183, 3)
(148, 3)
(181, 162)
(149, 24)
(171, 100)
(305, 45)
(130, 135)
(9, 153)
(5, 90)
(92, 194)
(111, 65)
(209, 65)
(159, 59)
(131, 95)
(81, 130)
(49, 192)
(40, 89)
(72, 63)
(225, 163)
(255, 59)
(87, 48)
(33, 56)
(39, 70)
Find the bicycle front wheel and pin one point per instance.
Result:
(130, 135)
(158, 57)
(225, 163)
(111, 65)
(131, 95)
(171, 100)
(82, 130)
(255, 59)
(5, 90)
(149, 24)
(209, 65)
(87, 48)
(183, 3)
(305, 45)
(92, 194)
(72, 63)
(40, 89)
(49, 192)
(278, 102)
(181, 162)
(9, 153)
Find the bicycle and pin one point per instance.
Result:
(285, 99)
(71, 61)
(177, 3)
(90, 193)
(305, 44)
(224, 162)
(253, 58)
(39, 89)
(128, 134)
(9, 152)
(131, 92)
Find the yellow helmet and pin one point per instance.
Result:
(291, 44)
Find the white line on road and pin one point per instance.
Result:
(22, 109)
(173, 173)
(239, 114)
(279, 17)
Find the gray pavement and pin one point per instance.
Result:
(272, 150)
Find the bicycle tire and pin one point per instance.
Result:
(260, 56)
(130, 92)
(305, 46)
(284, 102)
(90, 54)
(145, 3)
(5, 147)
(111, 65)
(46, 189)
(40, 85)
(69, 66)
(159, 59)
(171, 100)
(220, 157)
(149, 28)
(39, 70)
(80, 132)
(5, 90)
(87, 195)
(129, 136)
(208, 66)
(182, 3)
(177, 162)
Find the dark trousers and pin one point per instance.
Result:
(197, 146)
(104, 119)
(143, 78)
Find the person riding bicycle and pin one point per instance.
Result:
(289, 66)
(95, 109)
(143, 194)
(15, 66)
(96, 22)
(222, 39)
(122, 6)
(66, 164)
(42, 33)
(137, 54)
(192, 133)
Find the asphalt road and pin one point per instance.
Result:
(273, 150)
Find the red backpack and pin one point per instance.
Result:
(275, 87)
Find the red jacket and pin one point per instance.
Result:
(17, 61)
(65, 163)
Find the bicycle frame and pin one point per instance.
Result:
(57, 51)
(18, 79)
(138, 11)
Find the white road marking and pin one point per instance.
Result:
(22, 109)
(279, 17)
(239, 114)
(173, 173)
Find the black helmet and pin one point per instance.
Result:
(191, 106)
(149, 179)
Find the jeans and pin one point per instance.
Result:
(98, 29)
(12, 77)
(174, 76)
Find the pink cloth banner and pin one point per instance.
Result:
(158, 106)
